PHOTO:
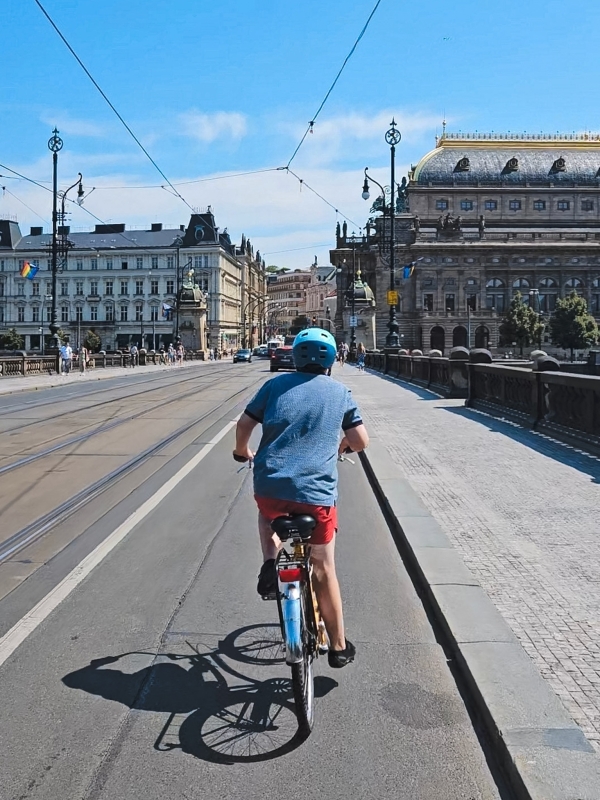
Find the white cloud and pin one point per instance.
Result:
(208, 128)
(69, 126)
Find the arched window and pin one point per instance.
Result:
(521, 283)
(548, 283)
(495, 283)
(574, 283)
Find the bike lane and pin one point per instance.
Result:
(203, 701)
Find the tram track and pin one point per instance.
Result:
(34, 531)
(104, 428)
(88, 408)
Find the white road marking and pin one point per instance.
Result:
(19, 632)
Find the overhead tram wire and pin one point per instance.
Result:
(8, 191)
(348, 57)
(126, 126)
(320, 196)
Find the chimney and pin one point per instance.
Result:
(116, 227)
(63, 230)
(182, 227)
(156, 226)
(36, 231)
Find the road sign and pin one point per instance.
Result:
(392, 297)
(353, 322)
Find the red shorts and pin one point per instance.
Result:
(326, 516)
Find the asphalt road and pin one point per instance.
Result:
(160, 674)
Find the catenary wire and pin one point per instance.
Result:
(348, 57)
(8, 191)
(314, 191)
(126, 126)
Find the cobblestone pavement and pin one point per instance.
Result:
(524, 512)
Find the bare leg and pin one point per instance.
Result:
(328, 593)
(269, 541)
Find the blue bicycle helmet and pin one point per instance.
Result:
(314, 346)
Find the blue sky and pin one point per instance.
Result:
(227, 87)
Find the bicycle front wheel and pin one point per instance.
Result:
(303, 685)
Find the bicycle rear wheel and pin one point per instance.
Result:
(303, 685)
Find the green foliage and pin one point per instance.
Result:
(63, 336)
(274, 269)
(521, 325)
(11, 340)
(92, 341)
(299, 324)
(571, 326)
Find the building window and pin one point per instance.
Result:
(441, 205)
(1, 313)
(21, 314)
(79, 265)
(587, 205)
(448, 260)
(123, 313)
(124, 265)
(139, 263)
(79, 288)
(154, 262)
(515, 205)
(94, 263)
(563, 205)
(49, 264)
(495, 283)
(94, 288)
(79, 314)
(547, 302)
(1, 265)
(154, 314)
(93, 313)
(109, 263)
(35, 289)
(64, 289)
(521, 283)
(48, 313)
(64, 313)
(108, 287)
(471, 282)
(139, 287)
(472, 302)
(21, 289)
(548, 283)
(1, 288)
(139, 313)
(450, 304)
(205, 262)
(109, 313)
(491, 205)
(574, 283)
(153, 287)
(170, 287)
(539, 205)
(124, 287)
(428, 303)
(197, 262)
(595, 304)
(170, 262)
(35, 314)
(466, 205)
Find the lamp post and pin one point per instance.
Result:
(352, 300)
(392, 137)
(255, 302)
(55, 145)
(534, 294)
(178, 241)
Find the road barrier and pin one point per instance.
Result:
(535, 393)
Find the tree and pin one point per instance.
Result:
(274, 269)
(299, 324)
(92, 341)
(521, 325)
(571, 326)
(12, 341)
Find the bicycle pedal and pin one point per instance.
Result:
(323, 649)
(269, 596)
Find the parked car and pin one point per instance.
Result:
(282, 358)
(242, 355)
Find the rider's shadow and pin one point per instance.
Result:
(250, 720)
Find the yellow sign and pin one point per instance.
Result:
(392, 298)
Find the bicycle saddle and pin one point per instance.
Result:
(289, 527)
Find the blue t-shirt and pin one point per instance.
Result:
(301, 415)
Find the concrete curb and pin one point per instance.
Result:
(542, 752)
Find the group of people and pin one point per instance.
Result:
(343, 351)
(214, 354)
(66, 358)
(171, 355)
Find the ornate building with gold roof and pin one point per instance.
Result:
(485, 216)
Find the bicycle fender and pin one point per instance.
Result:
(291, 614)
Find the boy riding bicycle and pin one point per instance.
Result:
(295, 467)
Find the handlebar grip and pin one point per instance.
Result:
(239, 459)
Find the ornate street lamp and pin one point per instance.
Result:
(55, 145)
(353, 301)
(392, 137)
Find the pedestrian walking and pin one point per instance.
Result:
(66, 354)
(83, 354)
(360, 357)
(133, 355)
(180, 354)
(216, 353)
(162, 358)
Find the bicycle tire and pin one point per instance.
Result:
(303, 686)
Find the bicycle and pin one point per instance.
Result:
(302, 628)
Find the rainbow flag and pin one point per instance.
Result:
(29, 271)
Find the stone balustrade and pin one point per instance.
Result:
(21, 365)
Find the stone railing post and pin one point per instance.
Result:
(458, 376)
(478, 355)
(540, 394)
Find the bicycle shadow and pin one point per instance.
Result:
(241, 721)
